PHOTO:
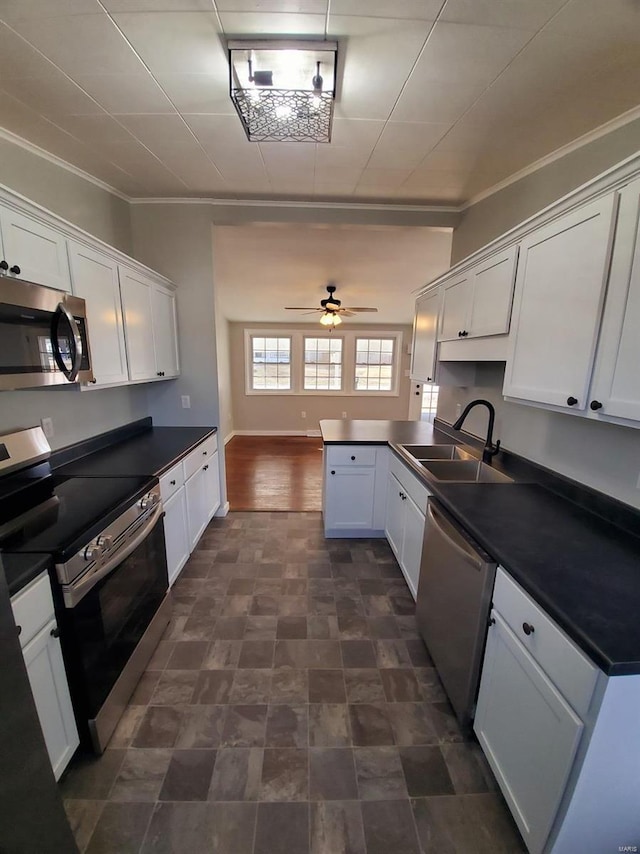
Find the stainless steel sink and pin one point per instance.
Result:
(438, 452)
(464, 471)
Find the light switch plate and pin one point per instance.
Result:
(186, 401)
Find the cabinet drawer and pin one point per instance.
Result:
(199, 456)
(33, 608)
(567, 666)
(171, 481)
(410, 482)
(351, 455)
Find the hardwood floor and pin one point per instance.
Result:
(274, 473)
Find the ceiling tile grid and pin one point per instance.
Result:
(437, 100)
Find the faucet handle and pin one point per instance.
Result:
(490, 451)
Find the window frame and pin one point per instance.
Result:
(248, 361)
(396, 338)
(327, 337)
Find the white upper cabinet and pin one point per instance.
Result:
(163, 305)
(34, 251)
(560, 288)
(425, 337)
(94, 277)
(615, 391)
(492, 291)
(138, 324)
(456, 294)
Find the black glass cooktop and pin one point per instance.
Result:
(58, 515)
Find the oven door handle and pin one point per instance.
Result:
(75, 342)
(76, 592)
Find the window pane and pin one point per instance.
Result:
(323, 364)
(374, 364)
(271, 364)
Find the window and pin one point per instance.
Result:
(322, 364)
(429, 402)
(374, 364)
(271, 364)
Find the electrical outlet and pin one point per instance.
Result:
(186, 401)
(344, 414)
(303, 414)
(47, 427)
(458, 410)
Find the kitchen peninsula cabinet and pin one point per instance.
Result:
(354, 490)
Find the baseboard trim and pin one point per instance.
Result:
(229, 437)
(222, 510)
(352, 533)
(314, 434)
(270, 433)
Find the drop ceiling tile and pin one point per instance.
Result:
(157, 5)
(332, 156)
(101, 129)
(378, 55)
(597, 22)
(157, 130)
(18, 58)
(272, 24)
(296, 188)
(176, 42)
(404, 144)
(282, 158)
(441, 160)
(434, 101)
(337, 174)
(198, 93)
(126, 93)
(144, 167)
(22, 10)
(81, 44)
(428, 179)
(53, 95)
(355, 132)
(506, 13)
(308, 7)
(417, 10)
(383, 178)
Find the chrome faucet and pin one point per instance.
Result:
(490, 450)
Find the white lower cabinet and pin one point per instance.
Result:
(34, 615)
(175, 534)
(404, 521)
(196, 492)
(354, 490)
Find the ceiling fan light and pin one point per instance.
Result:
(330, 319)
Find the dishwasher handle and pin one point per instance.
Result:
(454, 539)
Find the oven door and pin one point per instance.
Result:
(107, 614)
(43, 336)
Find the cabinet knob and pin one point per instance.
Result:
(459, 333)
(353, 458)
(595, 405)
(4, 266)
(417, 394)
(429, 379)
(464, 333)
(55, 632)
(492, 621)
(333, 472)
(158, 373)
(15, 269)
(571, 401)
(172, 483)
(528, 629)
(93, 381)
(204, 453)
(204, 468)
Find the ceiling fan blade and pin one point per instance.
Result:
(301, 308)
(313, 311)
(356, 308)
(347, 313)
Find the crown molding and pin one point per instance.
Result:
(280, 203)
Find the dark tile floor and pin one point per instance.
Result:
(290, 709)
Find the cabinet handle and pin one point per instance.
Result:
(172, 483)
(571, 401)
(491, 621)
(528, 629)
(459, 334)
(464, 333)
(55, 632)
(18, 630)
(158, 373)
(353, 458)
(429, 380)
(4, 266)
(93, 381)
(595, 405)
(204, 453)
(204, 468)
(333, 472)
(15, 269)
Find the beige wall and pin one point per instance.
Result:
(66, 194)
(496, 214)
(256, 413)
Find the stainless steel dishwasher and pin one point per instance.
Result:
(452, 609)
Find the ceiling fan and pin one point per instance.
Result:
(330, 309)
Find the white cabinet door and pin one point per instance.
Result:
(196, 492)
(394, 520)
(94, 277)
(528, 732)
(163, 304)
(37, 251)
(349, 497)
(212, 485)
(48, 680)
(425, 337)
(412, 543)
(560, 286)
(616, 387)
(138, 324)
(456, 296)
(176, 533)
(493, 282)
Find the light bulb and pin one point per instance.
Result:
(330, 319)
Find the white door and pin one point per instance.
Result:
(493, 282)
(36, 252)
(94, 277)
(48, 680)
(456, 297)
(176, 533)
(212, 485)
(528, 732)
(616, 387)
(350, 497)
(394, 519)
(138, 324)
(425, 337)
(560, 287)
(163, 304)
(412, 543)
(196, 492)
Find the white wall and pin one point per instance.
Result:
(605, 457)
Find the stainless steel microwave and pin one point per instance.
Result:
(43, 336)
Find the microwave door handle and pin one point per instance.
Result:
(76, 342)
(76, 592)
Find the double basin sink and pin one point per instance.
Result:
(454, 464)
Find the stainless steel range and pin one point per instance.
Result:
(106, 538)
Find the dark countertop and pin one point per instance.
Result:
(149, 453)
(581, 569)
(19, 569)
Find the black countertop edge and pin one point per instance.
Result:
(71, 453)
(523, 470)
(21, 569)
